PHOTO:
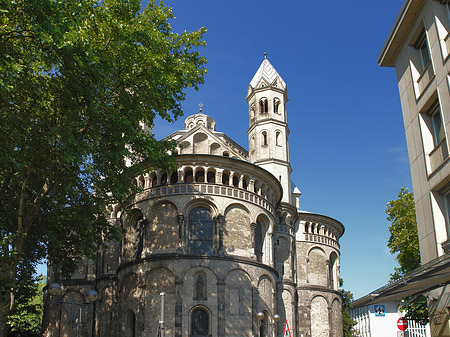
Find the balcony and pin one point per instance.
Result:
(206, 189)
(438, 155)
(425, 78)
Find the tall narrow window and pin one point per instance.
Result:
(278, 138)
(259, 240)
(263, 105)
(200, 231)
(264, 138)
(276, 105)
(422, 46)
(438, 128)
(199, 323)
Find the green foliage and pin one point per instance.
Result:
(77, 79)
(347, 321)
(403, 240)
(26, 318)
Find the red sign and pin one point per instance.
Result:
(287, 332)
(402, 324)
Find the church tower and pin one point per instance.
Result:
(268, 131)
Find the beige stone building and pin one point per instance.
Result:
(222, 236)
(418, 46)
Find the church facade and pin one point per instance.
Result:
(222, 237)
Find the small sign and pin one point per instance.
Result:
(380, 310)
(402, 324)
(402, 334)
(437, 320)
(287, 332)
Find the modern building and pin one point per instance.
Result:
(382, 319)
(222, 236)
(418, 46)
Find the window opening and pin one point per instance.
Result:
(164, 179)
(211, 177)
(200, 230)
(200, 176)
(225, 179)
(258, 242)
(235, 181)
(188, 176)
(264, 138)
(422, 46)
(174, 177)
(200, 323)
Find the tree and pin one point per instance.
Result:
(78, 79)
(26, 318)
(347, 321)
(403, 239)
(404, 242)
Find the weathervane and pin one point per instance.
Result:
(200, 105)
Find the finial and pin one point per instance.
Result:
(200, 105)
(265, 54)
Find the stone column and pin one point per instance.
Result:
(219, 176)
(181, 175)
(241, 179)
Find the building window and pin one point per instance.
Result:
(437, 126)
(264, 138)
(422, 46)
(276, 105)
(263, 105)
(259, 241)
(278, 138)
(433, 137)
(199, 323)
(200, 230)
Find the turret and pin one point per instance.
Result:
(268, 131)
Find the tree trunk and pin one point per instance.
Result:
(5, 308)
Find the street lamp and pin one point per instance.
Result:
(276, 318)
(54, 290)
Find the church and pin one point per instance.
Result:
(222, 237)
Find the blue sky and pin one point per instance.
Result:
(347, 142)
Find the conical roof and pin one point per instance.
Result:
(267, 72)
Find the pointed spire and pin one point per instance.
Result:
(267, 72)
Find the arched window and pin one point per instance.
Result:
(278, 138)
(263, 106)
(200, 230)
(211, 177)
(225, 179)
(259, 240)
(244, 184)
(226, 154)
(199, 323)
(188, 176)
(153, 179)
(264, 138)
(200, 176)
(276, 104)
(131, 324)
(164, 179)
(174, 177)
(235, 181)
